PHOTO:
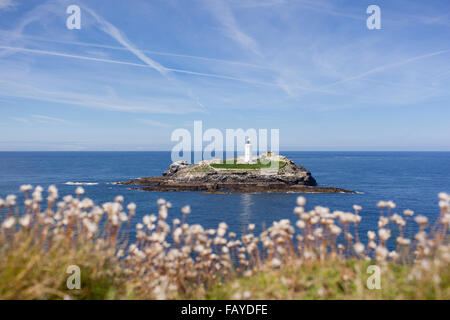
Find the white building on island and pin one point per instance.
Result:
(248, 152)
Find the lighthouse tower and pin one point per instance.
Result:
(248, 152)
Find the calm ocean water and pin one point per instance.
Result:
(411, 179)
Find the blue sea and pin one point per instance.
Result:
(411, 179)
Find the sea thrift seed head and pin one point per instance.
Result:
(314, 220)
(357, 207)
(131, 206)
(223, 225)
(422, 220)
(275, 263)
(299, 210)
(383, 222)
(11, 200)
(53, 191)
(123, 217)
(186, 210)
(443, 205)
(37, 196)
(119, 199)
(444, 196)
(301, 224)
(393, 255)
(403, 241)
(25, 220)
(38, 189)
(79, 191)
(446, 220)
(26, 187)
(301, 201)
(335, 230)
(318, 233)
(381, 204)
(391, 204)
(163, 212)
(161, 202)
(381, 253)
(408, 212)
(359, 247)
(8, 223)
(251, 227)
(384, 234)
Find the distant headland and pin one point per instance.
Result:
(264, 173)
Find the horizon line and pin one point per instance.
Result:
(344, 150)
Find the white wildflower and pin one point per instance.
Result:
(25, 220)
(79, 191)
(359, 247)
(301, 201)
(9, 223)
(186, 209)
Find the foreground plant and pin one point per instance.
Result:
(321, 256)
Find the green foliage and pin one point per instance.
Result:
(254, 166)
(334, 280)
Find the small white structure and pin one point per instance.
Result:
(248, 151)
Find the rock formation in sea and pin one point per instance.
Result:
(267, 173)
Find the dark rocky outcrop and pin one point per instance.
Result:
(182, 176)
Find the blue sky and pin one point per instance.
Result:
(137, 70)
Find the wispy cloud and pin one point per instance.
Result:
(41, 119)
(224, 15)
(121, 38)
(386, 67)
(34, 92)
(152, 123)
(258, 3)
(23, 120)
(159, 53)
(48, 119)
(194, 73)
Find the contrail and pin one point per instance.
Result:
(387, 66)
(116, 34)
(168, 54)
(66, 55)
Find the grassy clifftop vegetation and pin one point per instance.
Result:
(256, 165)
(321, 256)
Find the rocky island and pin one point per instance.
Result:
(266, 173)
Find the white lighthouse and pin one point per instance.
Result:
(248, 151)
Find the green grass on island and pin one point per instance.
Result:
(257, 165)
